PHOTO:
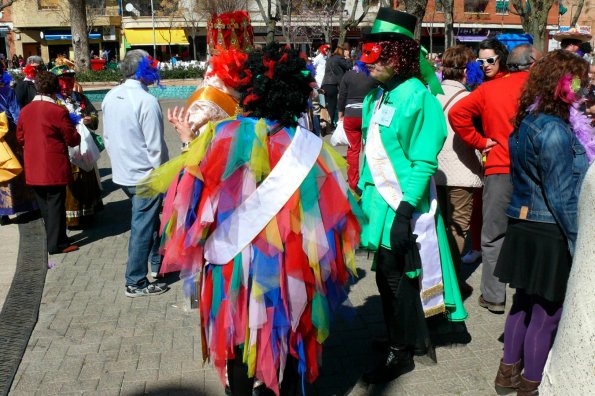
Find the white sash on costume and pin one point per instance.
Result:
(236, 232)
(423, 224)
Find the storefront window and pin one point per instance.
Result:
(48, 4)
(476, 6)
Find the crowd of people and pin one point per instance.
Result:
(268, 218)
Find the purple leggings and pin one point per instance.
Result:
(529, 332)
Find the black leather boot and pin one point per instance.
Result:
(396, 363)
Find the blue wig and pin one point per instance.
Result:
(6, 78)
(474, 74)
(148, 71)
(310, 67)
(360, 67)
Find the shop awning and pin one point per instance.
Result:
(162, 36)
(471, 39)
(65, 35)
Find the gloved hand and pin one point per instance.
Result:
(400, 232)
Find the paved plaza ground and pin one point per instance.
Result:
(92, 339)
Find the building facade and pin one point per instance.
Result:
(476, 20)
(169, 28)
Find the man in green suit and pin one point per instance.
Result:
(404, 130)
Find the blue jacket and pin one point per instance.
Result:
(548, 165)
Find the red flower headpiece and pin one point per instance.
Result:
(30, 72)
(227, 65)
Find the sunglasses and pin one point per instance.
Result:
(490, 61)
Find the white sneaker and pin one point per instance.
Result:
(155, 275)
(471, 257)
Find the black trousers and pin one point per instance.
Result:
(401, 303)
(51, 201)
(241, 385)
(331, 96)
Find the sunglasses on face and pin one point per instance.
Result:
(490, 61)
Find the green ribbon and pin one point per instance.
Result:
(381, 26)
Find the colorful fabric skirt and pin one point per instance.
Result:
(276, 297)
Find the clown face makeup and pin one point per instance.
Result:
(66, 86)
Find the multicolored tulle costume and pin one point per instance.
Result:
(274, 298)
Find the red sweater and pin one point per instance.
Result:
(496, 103)
(45, 131)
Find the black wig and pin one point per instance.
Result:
(278, 84)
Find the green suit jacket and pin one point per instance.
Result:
(412, 141)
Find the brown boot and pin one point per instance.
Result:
(508, 378)
(528, 388)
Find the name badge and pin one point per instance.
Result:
(384, 116)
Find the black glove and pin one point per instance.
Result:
(401, 236)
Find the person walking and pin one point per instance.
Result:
(45, 131)
(133, 134)
(336, 66)
(25, 89)
(354, 87)
(496, 116)
(548, 165)
(459, 173)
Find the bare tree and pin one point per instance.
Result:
(6, 3)
(351, 21)
(194, 13)
(577, 14)
(270, 17)
(448, 8)
(533, 14)
(80, 35)
(417, 8)
(171, 11)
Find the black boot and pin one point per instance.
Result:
(397, 363)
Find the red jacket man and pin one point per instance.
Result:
(495, 103)
(45, 131)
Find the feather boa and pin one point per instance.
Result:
(581, 126)
(585, 133)
(474, 74)
(148, 71)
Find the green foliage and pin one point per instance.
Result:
(112, 74)
(102, 75)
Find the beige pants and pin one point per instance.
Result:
(456, 206)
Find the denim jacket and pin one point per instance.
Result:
(548, 165)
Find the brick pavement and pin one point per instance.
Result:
(91, 339)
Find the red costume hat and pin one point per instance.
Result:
(231, 30)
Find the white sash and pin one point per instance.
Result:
(423, 224)
(243, 225)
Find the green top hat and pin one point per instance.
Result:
(392, 24)
(63, 71)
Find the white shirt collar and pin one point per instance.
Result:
(43, 98)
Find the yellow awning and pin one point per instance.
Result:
(162, 36)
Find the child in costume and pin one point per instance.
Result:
(403, 131)
(263, 211)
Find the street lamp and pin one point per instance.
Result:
(153, 23)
